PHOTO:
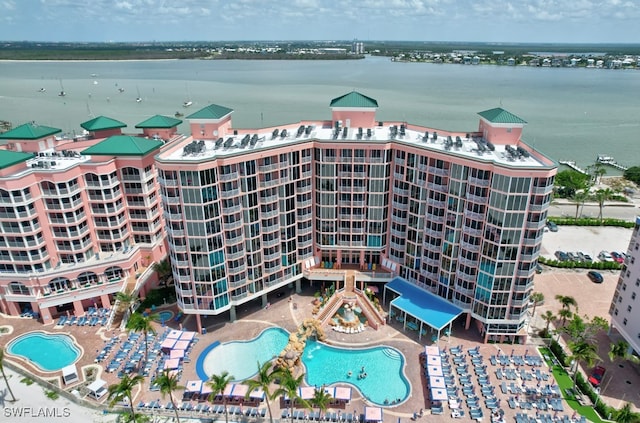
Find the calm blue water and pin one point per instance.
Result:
(572, 113)
(240, 358)
(325, 365)
(164, 316)
(48, 352)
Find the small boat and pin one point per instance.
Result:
(62, 93)
(187, 103)
(42, 90)
(605, 159)
(178, 114)
(138, 99)
(120, 90)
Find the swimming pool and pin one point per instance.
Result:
(385, 382)
(163, 316)
(48, 352)
(240, 358)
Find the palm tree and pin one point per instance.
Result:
(567, 301)
(168, 384)
(620, 349)
(126, 299)
(163, 269)
(321, 399)
(548, 317)
(565, 314)
(263, 380)
(603, 195)
(140, 323)
(218, 384)
(582, 351)
(289, 386)
(625, 415)
(124, 389)
(537, 298)
(579, 197)
(4, 376)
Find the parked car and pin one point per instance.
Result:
(585, 256)
(595, 276)
(605, 256)
(561, 255)
(596, 376)
(552, 226)
(539, 268)
(617, 257)
(572, 256)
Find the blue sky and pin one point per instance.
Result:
(564, 21)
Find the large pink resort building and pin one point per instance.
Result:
(248, 212)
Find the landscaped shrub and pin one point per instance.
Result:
(590, 221)
(599, 265)
(557, 350)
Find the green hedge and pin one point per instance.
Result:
(599, 265)
(157, 297)
(557, 350)
(589, 221)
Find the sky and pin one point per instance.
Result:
(539, 21)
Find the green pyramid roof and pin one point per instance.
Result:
(353, 99)
(29, 131)
(123, 145)
(212, 111)
(159, 121)
(499, 115)
(101, 123)
(9, 158)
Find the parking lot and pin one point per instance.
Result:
(586, 239)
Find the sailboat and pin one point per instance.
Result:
(188, 101)
(138, 99)
(62, 92)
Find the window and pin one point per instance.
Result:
(633, 296)
(624, 286)
(629, 309)
(624, 322)
(616, 312)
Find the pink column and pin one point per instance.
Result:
(78, 310)
(12, 309)
(199, 323)
(46, 315)
(106, 303)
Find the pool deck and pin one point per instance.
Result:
(288, 310)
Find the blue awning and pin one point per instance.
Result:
(425, 306)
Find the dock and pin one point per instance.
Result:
(573, 166)
(610, 161)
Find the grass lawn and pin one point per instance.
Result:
(564, 381)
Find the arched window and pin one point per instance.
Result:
(87, 278)
(19, 288)
(114, 272)
(59, 284)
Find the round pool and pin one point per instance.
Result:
(163, 316)
(384, 383)
(48, 352)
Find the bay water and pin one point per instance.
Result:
(572, 113)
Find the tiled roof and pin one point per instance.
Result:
(101, 123)
(499, 115)
(123, 145)
(353, 99)
(212, 111)
(159, 121)
(29, 131)
(9, 158)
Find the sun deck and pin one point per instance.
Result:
(461, 144)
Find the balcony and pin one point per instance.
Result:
(235, 255)
(172, 216)
(437, 203)
(438, 171)
(269, 199)
(235, 240)
(226, 177)
(437, 187)
(268, 168)
(270, 183)
(232, 225)
(230, 193)
(270, 242)
(542, 190)
(171, 200)
(267, 214)
(532, 241)
(176, 232)
(168, 182)
(469, 247)
(231, 209)
(238, 269)
(271, 228)
(400, 206)
(180, 248)
(473, 215)
(305, 203)
(479, 182)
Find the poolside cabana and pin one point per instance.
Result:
(172, 363)
(205, 392)
(70, 374)
(97, 389)
(434, 371)
(228, 389)
(432, 350)
(181, 345)
(306, 392)
(192, 388)
(257, 394)
(240, 390)
(436, 382)
(373, 414)
(343, 394)
(438, 394)
(175, 334)
(187, 336)
(434, 360)
(424, 306)
(176, 354)
(168, 343)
